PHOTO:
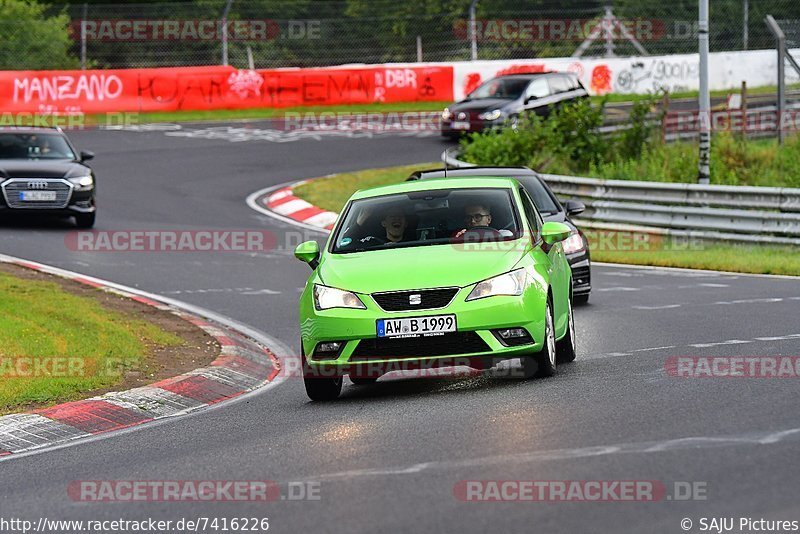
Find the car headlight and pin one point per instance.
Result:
(82, 182)
(326, 298)
(446, 114)
(491, 115)
(512, 283)
(574, 243)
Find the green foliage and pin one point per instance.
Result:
(31, 40)
(568, 142)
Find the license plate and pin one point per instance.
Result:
(417, 326)
(37, 196)
(460, 125)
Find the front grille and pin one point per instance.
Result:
(428, 299)
(13, 187)
(447, 344)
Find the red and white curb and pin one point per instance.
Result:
(283, 202)
(243, 365)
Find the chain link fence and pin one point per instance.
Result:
(315, 33)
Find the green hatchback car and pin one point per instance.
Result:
(435, 273)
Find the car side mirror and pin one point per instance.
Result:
(86, 155)
(308, 252)
(553, 232)
(574, 207)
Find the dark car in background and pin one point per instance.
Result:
(503, 99)
(42, 174)
(576, 246)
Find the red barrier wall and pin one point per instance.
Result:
(202, 88)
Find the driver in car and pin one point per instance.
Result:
(394, 222)
(479, 216)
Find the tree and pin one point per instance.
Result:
(31, 40)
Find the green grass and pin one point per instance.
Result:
(332, 192)
(95, 346)
(760, 90)
(264, 113)
(653, 250)
(758, 162)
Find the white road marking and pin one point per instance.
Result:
(720, 343)
(641, 447)
(620, 288)
(714, 285)
(749, 301)
(665, 307)
(654, 348)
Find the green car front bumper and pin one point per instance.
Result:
(476, 342)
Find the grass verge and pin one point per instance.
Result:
(61, 341)
(332, 192)
(265, 113)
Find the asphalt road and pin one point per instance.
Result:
(388, 456)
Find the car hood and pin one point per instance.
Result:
(480, 104)
(418, 267)
(27, 168)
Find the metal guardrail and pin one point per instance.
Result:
(715, 212)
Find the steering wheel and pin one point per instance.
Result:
(477, 234)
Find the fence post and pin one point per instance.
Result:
(744, 110)
(664, 115)
(419, 49)
(225, 32)
(84, 16)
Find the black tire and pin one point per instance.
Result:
(543, 363)
(581, 299)
(565, 347)
(363, 380)
(320, 388)
(85, 220)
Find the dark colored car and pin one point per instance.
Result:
(41, 173)
(503, 99)
(576, 246)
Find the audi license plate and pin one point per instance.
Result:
(37, 196)
(460, 125)
(417, 326)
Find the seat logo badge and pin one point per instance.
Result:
(415, 299)
(37, 184)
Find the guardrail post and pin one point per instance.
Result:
(664, 113)
(744, 110)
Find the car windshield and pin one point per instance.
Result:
(544, 202)
(509, 88)
(34, 146)
(431, 217)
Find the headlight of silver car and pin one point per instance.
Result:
(326, 298)
(446, 114)
(512, 283)
(491, 115)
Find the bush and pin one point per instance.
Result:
(569, 142)
(30, 40)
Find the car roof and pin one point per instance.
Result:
(472, 171)
(30, 129)
(434, 184)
